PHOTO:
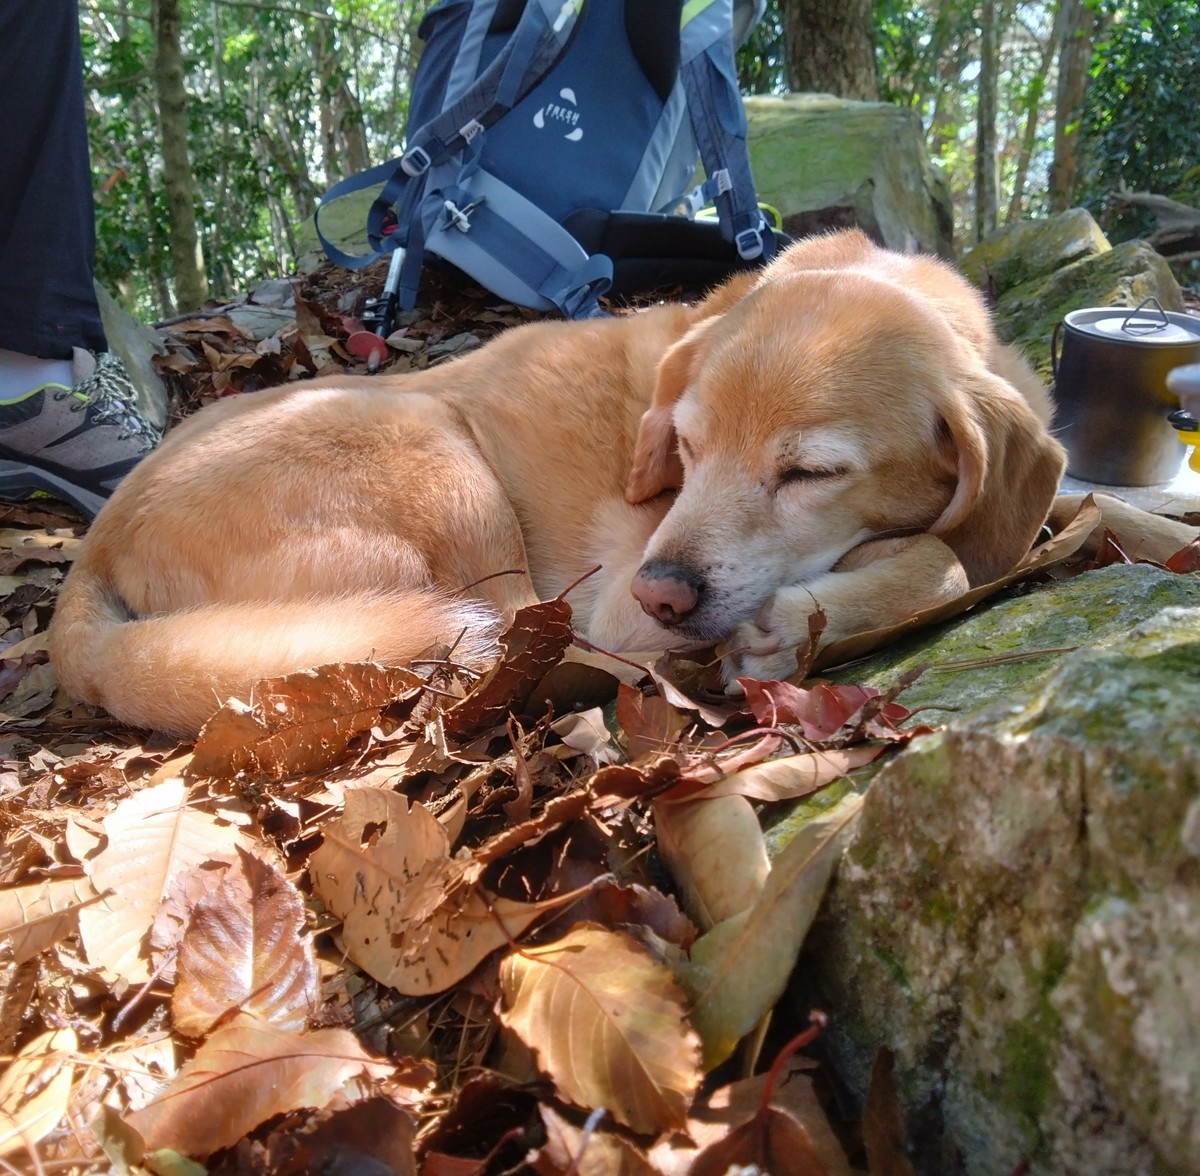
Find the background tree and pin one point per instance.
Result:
(191, 282)
(831, 47)
(987, 191)
(1076, 26)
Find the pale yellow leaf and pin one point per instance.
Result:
(245, 1073)
(716, 853)
(34, 1089)
(793, 776)
(739, 969)
(606, 1022)
(152, 837)
(37, 916)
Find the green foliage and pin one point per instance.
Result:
(282, 99)
(762, 61)
(1141, 125)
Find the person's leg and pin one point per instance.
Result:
(47, 227)
(68, 419)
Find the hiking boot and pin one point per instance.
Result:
(74, 443)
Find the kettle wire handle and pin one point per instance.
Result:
(1054, 349)
(1145, 328)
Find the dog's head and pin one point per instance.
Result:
(823, 406)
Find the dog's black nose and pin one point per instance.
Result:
(668, 592)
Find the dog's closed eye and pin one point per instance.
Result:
(796, 475)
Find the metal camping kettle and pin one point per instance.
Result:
(1111, 388)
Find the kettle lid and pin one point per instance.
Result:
(1143, 324)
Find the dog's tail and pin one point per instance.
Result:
(170, 672)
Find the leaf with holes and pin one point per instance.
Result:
(302, 722)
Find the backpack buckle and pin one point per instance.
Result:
(749, 244)
(416, 161)
(460, 218)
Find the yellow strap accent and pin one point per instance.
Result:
(692, 9)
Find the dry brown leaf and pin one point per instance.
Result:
(739, 969)
(34, 1089)
(152, 838)
(533, 644)
(716, 854)
(793, 776)
(37, 916)
(651, 724)
(883, 1121)
(244, 1074)
(770, 1142)
(245, 948)
(607, 1023)
(408, 919)
(299, 723)
(585, 1153)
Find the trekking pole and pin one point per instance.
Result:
(379, 317)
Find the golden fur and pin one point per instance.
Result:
(842, 428)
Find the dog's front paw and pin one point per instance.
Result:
(767, 648)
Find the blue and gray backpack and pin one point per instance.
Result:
(551, 147)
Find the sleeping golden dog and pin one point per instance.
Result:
(841, 430)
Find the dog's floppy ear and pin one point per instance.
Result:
(656, 464)
(1008, 473)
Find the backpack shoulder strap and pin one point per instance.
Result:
(535, 44)
(709, 74)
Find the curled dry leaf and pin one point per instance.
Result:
(245, 948)
(152, 838)
(533, 644)
(245, 1073)
(820, 711)
(738, 970)
(34, 1090)
(716, 853)
(1068, 541)
(409, 919)
(607, 1023)
(299, 723)
(37, 916)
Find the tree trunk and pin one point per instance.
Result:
(987, 188)
(187, 259)
(831, 48)
(1033, 107)
(1077, 26)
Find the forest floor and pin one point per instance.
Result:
(193, 966)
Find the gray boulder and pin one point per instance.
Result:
(1018, 915)
(829, 163)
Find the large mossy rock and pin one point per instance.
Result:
(828, 163)
(1030, 249)
(1018, 915)
(1039, 271)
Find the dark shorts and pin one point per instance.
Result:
(47, 226)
